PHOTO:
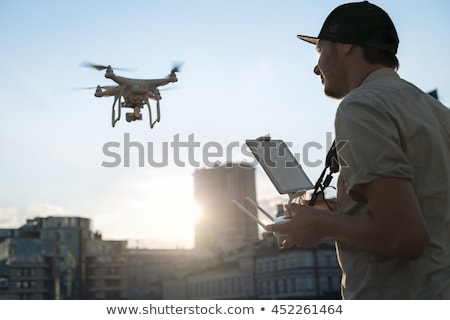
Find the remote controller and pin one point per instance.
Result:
(280, 219)
(281, 237)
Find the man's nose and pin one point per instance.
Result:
(316, 70)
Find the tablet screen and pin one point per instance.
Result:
(280, 165)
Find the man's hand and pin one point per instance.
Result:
(303, 229)
(325, 204)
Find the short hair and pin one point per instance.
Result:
(381, 56)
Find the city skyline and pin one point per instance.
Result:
(61, 258)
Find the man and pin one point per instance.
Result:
(392, 222)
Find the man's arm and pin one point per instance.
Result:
(397, 223)
(393, 226)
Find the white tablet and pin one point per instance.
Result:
(280, 165)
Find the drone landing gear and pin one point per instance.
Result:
(114, 119)
(136, 115)
(117, 97)
(158, 114)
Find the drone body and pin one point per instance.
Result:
(133, 93)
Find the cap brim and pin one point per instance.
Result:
(312, 40)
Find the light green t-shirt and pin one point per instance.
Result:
(393, 129)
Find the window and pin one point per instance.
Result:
(309, 282)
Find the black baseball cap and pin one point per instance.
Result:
(360, 23)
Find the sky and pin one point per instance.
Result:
(244, 74)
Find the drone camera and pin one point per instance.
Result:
(130, 116)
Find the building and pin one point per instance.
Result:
(222, 226)
(260, 271)
(60, 258)
(106, 272)
(149, 269)
(297, 273)
(24, 272)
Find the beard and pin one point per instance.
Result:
(335, 84)
(335, 92)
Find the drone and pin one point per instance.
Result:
(132, 93)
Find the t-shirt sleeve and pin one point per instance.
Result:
(369, 145)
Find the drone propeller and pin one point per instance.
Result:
(99, 67)
(170, 88)
(102, 87)
(177, 67)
